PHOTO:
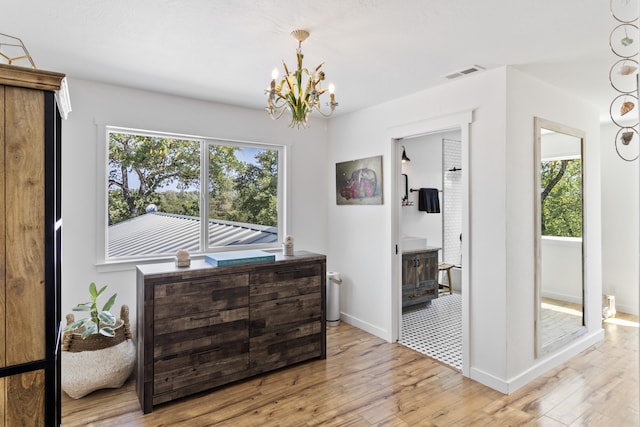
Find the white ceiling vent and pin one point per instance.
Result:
(463, 72)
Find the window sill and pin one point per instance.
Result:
(130, 264)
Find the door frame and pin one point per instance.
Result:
(460, 121)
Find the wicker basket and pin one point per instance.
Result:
(73, 342)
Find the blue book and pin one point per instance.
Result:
(222, 259)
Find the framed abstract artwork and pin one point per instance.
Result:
(359, 182)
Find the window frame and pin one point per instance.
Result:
(102, 241)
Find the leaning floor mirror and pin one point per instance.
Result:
(559, 263)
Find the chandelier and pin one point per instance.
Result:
(299, 90)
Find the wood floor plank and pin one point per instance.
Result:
(366, 381)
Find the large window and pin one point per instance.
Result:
(169, 192)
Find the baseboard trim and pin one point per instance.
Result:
(368, 327)
(553, 360)
(489, 380)
(627, 309)
(544, 365)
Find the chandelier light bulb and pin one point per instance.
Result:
(274, 74)
(332, 88)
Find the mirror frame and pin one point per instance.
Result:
(553, 345)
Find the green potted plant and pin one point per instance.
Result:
(101, 322)
(97, 350)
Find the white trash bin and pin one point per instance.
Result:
(333, 298)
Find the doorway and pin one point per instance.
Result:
(432, 327)
(459, 123)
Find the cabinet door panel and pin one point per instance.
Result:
(201, 334)
(25, 406)
(277, 347)
(286, 316)
(408, 271)
(419, 277)
(427, 269)
(409, 280)
(24, 221)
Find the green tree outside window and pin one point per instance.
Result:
(241, 180)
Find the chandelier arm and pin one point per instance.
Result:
(325, 114)
(279, 114)
(275, 112)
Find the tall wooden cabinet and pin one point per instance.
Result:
(29, 247)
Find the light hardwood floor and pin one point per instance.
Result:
(366, 381)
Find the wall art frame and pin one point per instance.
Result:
(359, 182)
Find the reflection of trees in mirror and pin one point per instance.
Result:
(561, 197)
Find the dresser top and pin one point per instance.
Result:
(164, 268)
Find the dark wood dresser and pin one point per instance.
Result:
(201, 327)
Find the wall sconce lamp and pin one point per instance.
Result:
(405, 159)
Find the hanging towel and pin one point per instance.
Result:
(428, 200)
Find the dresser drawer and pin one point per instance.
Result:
(185, 370)
(273, 283)
(200, 332)
(285, 312)
(207, 294)
(273, 348)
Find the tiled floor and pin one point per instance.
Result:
(436, 330)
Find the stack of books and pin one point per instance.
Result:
(223, 259)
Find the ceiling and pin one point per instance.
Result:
(373, 50)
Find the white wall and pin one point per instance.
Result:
(95, 103)
(357, 239)
(528, 97)
(453, 187)
(424, 170)
(619, 224)
(360, 236)
(501, 289)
